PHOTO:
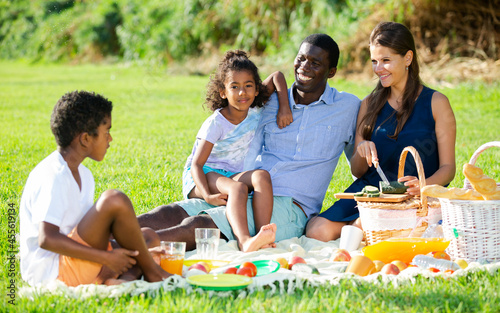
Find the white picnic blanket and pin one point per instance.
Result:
(283, 281)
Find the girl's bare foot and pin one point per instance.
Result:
(263, 239)
(271, 245)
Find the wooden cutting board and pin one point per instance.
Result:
(383, 197)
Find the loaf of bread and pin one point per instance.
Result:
(483, 184)
(438, 191)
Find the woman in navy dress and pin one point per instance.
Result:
(399, 112)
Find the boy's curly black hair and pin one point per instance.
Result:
(78, 112)
(233, 60)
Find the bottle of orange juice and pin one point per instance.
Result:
(404, 249)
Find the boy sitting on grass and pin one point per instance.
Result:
(65, 236)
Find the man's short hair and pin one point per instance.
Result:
(326, 43)
(78, 112)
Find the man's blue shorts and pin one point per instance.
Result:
(287, 215)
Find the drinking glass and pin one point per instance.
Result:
(172, 257)
(207, 242)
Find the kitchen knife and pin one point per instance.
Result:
(380, 172)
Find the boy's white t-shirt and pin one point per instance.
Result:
(51, 195)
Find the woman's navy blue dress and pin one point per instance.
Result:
(419, 132)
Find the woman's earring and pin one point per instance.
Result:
(407, 68)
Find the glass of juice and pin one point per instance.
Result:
(172, 257)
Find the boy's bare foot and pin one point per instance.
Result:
(263, 239)
(106, 274)
(115, 281)
(156, 274)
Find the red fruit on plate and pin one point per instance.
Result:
(231, 270)
(207, 265)
(340, 255)
(294, 260)
(252, 266)
(245, 271)
(199, 266)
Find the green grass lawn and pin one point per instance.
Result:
(155, 120)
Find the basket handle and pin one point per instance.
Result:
(420, 169)
(476, 154)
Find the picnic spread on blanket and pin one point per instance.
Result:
(443, 232)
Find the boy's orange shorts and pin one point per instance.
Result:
(73, 271)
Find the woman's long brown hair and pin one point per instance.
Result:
(398, 38)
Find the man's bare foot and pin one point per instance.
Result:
(263, 239)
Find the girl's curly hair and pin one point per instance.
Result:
(233, 60)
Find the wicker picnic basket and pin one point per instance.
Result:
(384, 220)
(473, 226)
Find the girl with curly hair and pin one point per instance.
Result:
(214, 170)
